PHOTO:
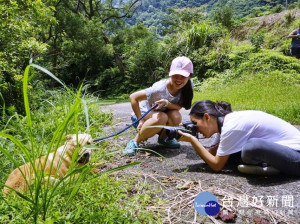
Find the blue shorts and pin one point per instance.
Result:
(134, 119)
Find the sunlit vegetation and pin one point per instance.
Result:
(92, 53)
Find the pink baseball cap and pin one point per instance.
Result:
(181, 66)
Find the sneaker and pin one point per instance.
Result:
(131, 148)
(259, 170)
(169, 143)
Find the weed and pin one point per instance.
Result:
(42, 133)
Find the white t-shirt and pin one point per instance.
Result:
(240, 126)
(157, 92)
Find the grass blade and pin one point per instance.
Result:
(48, 73)
(86, 115)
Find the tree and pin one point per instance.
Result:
(224, 16)
(81, 42)
(179, 19)
(22, 23)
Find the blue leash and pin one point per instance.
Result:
(136, 122)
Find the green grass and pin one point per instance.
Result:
(99, 200)
(88, 198)
(276, 93)
(263, 80)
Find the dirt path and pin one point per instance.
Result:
(276, 196)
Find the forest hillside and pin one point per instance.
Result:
(60, 61)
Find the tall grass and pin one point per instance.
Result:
(275, 93)
(36, 141)
(263, 80)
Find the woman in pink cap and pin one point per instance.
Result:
(171, 95)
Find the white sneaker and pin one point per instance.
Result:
(258, 170)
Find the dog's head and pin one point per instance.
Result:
(82, 140)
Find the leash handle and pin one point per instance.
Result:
(144, 115)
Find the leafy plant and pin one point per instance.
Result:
(41, 194)
(289, 18)
(266, 80)
(257, 40)
(224, 16)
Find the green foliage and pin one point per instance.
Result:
(22, 26)
(202, 34)
(254, 8)
(179, 19)
(265, 61)
(108, 199)
(275, 93)
(289, 18)
(207, 45)
(157, 13)
(39, 140)
(141, 55)
(266, 80)
(261, 11)
(278, 8)
(257, 40)
(224, 16)
(294, 5)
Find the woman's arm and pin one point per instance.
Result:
(165, 103)
(134, 100)
(293, 34)
(215, 162)
(173, 106)
(212, 150)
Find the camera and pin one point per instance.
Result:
(187, 127)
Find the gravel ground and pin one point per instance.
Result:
(276, 198)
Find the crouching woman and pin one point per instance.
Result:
(268, 144)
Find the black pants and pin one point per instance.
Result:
(295, 51)
(283, 158)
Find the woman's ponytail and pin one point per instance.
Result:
(187, 95)
(218, 109)
(223, 107)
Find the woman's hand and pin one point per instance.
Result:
(141, 123)
(185, 137)
(161, 104)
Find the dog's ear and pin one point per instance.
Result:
(68, 137)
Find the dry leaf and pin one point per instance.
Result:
(145, 165)
(185, 185)
(259, 220)
(170, 179)
(147, 154)
(226, 216)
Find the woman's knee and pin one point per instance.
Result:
(174, 117)
(161, 118)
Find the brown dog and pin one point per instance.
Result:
(55, 167)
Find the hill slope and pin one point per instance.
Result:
(154, 12)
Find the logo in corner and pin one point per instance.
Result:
(206, 204)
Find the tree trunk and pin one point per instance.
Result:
(116, 56)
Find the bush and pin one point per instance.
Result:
(278, 8)
(224, 16)
(257, 40)
(266, 80)
(289, 18)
